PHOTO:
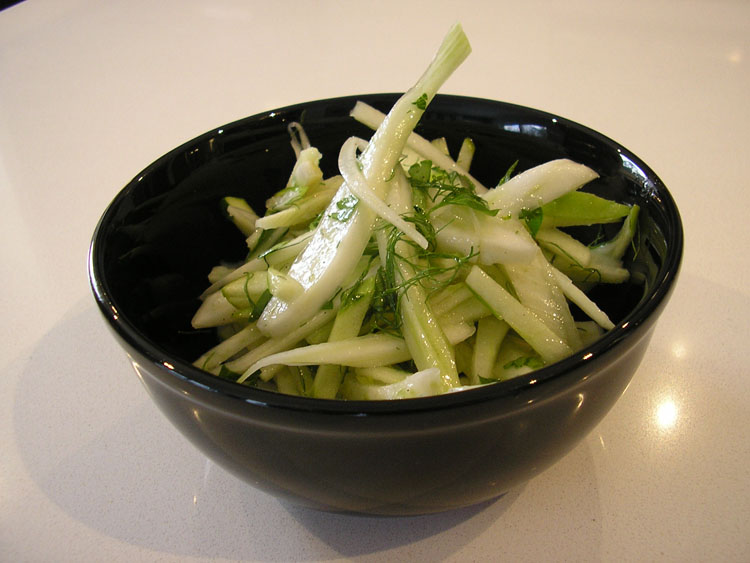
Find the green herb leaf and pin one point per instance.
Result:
(533, 362)
(428, 266)
(246, 291)
(508, 173)
(445, 188)
(260, 304)
(286, 197)
(346, 206)
(328, 305)
(316, 221)
(421, 171)
(421, 102)
(533, 219)
(384, 304)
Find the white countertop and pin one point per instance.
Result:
(92, 92)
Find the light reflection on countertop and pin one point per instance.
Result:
(666, 414)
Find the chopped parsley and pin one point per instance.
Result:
(446, 188)
(533, 362)
(345, 206)
(421, 102)
(533, 219)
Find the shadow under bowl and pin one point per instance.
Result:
(163, 232)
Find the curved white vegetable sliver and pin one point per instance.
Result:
(358, 185)
(420, 384)
(298, 136)
(536, 186)
(371, 350)
(578, 297)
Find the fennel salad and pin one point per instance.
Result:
(403, 275)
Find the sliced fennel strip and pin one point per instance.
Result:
(360, 187)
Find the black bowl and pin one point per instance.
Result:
(163, 232)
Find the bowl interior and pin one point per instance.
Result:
(162, 234)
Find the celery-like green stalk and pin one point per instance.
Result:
(520, 318)
(536, 289)
(616, 247)
(490, 334)
(561, 243)
(427, 342)
(581, 208)
(466, 153)
(304, 210)
(242, 215)
(347, 324)
(425, 338)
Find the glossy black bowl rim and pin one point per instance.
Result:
(179, 369)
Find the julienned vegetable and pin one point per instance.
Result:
(404, 276)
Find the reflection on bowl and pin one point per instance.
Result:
(164, 231)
